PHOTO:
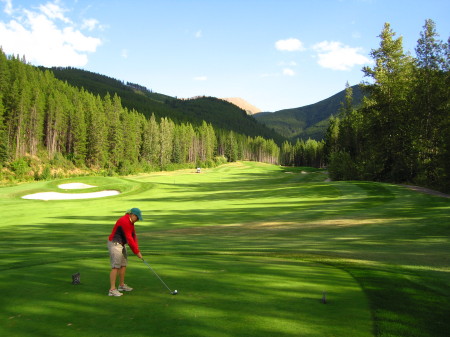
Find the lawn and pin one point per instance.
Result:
(251, 248)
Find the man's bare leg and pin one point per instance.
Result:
(122, 272)
(112, 278)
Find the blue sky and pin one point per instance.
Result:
(276, 54)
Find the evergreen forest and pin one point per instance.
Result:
(401, 132)
(398, 131)
(59, 122)
(50, 128)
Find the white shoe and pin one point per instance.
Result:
(125, 288)
(115, 292)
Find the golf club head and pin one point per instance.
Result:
(174, 292)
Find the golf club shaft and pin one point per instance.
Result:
(156, 275)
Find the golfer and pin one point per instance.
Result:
(123, 233)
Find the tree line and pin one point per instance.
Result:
(303, 153)
(48, 119)
(401, 131)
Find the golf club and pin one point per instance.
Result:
(172, 292)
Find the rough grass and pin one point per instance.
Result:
(250, 247)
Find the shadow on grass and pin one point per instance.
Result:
(406, 303)
(218, 296)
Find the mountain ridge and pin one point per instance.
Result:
(309, 121)
(220, 113)
(243, 104)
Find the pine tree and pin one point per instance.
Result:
(203, 140)
(57, 121)
(114, 115)
(3, 138)
(150, 151)
(166, 141)
(4, 72)
(35, 127)
(231, 147)
(79, 130)
(387, 110)
(287, 154)
(299, 152)
(177, 153)
(192, 143)
(210, 143)
(97, 131)
(132, 125)
(332, 137)
(430, 109)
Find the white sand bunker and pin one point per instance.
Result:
(75, 186)
(68, 196)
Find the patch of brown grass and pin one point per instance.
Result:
(271, 226)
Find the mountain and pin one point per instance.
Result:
(243, 104)
(224, 115)
(310, 121)
(218, 112)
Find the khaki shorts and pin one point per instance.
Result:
(117, 254)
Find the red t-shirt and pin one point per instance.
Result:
(124, 232)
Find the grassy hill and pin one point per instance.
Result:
(309, 121)
(219, 113)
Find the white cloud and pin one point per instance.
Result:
(90, 24)
(124, 53)
(8, 6)
(45, 36)
(53, 11)
(334, 55)
(289, 45)
(288, 72)
(200, 78)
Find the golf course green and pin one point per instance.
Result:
(253, 250)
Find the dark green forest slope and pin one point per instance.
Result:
(310, 121)
(220, 113)
(51, 128)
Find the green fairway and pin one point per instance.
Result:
(250, 247)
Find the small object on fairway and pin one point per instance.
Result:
(76, 278)
(175, 292)
(324, 297)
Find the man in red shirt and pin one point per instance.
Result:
(122, 233)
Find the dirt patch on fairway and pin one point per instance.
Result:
(278, 225)
(271, 226)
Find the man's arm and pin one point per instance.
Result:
(128, 230)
